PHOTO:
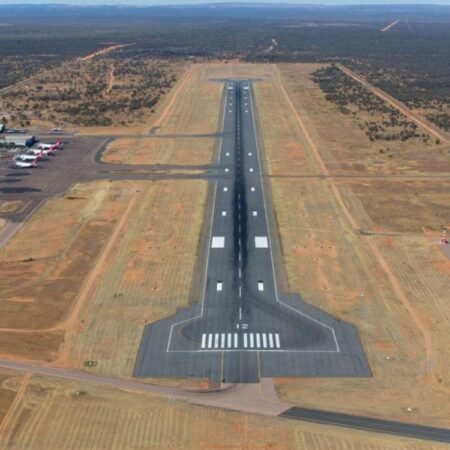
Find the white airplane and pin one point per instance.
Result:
(57, 144)
(25, 165)
(40, 155)
(37, 151)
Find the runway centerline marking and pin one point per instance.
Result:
(253, 189)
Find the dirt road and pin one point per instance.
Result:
(103, 51)
(391, 25)
(421, 121)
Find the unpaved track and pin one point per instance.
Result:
(419, 120)
(391, 25)
(187, 76)
(110, 80)
(103, 51)
(14, 408)
(83, 58)
(354, 226)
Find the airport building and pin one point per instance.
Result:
(20, 140)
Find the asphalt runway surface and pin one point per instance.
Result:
(243, 329)
(369, 424)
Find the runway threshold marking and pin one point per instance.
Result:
(232, 341)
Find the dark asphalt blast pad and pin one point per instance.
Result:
(245, 329)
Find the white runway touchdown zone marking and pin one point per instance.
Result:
(261, 242)
(218, 242)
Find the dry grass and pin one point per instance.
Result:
(9, 384)
(196, 106)
(333, 268)
(391, 288)
(149, 277)
(182, 151)
(411, 206)
(46, 262)
(343, 145)
(52, 416)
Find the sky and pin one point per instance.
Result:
(187, 2)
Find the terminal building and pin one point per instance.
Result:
(20, 140)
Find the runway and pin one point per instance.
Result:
(242, 328)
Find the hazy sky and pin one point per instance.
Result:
(184, 2)
(188, 2)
